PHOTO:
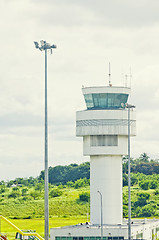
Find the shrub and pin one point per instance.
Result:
(144, 185)
(144, 195)
(55, 192)
(156, 192)
(85, 197)
(70, 184)
(142, 199)
(24, 191)
(153, 184)
(82, 183)
(125, 180)
(14, 194)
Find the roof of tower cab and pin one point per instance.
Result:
(105, 97)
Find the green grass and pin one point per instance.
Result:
(65, 205)
(38, 224)
(63, 210)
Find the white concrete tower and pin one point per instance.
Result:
(104, 128)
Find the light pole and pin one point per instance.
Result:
(44, 47)
(129, 106)
(101, 215)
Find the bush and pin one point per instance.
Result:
(134, 180)
(14, 194)
(147, 211)
(82, 183)
(24, 191)
(85, 197)
(153, 184)
(144, 195)
(156, 192)
(55, 192)
(70, 184)
(142, 199)
(144, 185)
(125, 180)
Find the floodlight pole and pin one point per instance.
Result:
(46, 158)
(45, 46)
(129, 179)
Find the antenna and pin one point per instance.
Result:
(110, 85)
(130, 77)
(126, 80)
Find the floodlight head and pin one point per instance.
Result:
(42, 42)
(122, 105)
(36, 44)
(129, 105)
(53, 46)
(44, 46)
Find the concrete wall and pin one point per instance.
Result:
(120, 149)
(100, 122)
(106, 177)
(144, 228)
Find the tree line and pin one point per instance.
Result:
(63, 174)
(73, 172)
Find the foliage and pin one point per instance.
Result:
(84, 196)
(144, 185)
(81, 183)
(14, 194)
(24, 197)
(63, 174)
(153, 184)
(35, 194)
(55, 192)
(24, 191)
(143, 164)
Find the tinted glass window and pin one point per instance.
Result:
(105, 100)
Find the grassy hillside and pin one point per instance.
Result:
(67, 204)
(144, 203)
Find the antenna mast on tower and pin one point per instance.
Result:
(110, 85)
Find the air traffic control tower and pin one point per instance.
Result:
(104, 128)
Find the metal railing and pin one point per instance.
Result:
(20, 231)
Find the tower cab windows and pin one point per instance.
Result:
(105, 100)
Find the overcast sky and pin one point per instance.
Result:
(89, 34)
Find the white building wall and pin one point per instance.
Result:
(120, 149)
(141, 226)
(100, 122)
(106, 177)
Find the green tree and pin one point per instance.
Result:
(144, 157)
(35, 194)
(39, 187)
